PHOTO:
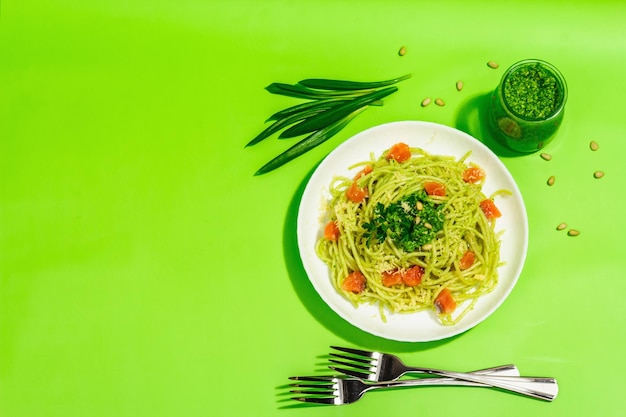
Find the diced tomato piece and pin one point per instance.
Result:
(331, 231)
(410, 277)
(354, 282)
(399, 152)
(473, 174)
(391, 278)
(413, 276)
(467, 260)
(356, 193)
(489, 208)
(435, 188)
(366, 170)
(445, 302)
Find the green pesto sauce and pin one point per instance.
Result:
(404, 223)
(532, 92)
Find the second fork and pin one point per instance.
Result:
(378, 366)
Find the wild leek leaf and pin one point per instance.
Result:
(309, 143)
(284, 122)
(324, 118)
(332, 105)
(300, 91)
(309, 105)
(325, 84)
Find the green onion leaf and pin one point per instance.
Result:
(325, 84)
(324, 118)
(308, 143)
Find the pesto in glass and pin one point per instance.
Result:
(527, 107)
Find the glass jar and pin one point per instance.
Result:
(527, 107)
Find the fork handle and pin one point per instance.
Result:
(530, 387)
(502, 370)
(537, 387)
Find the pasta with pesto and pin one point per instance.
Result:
(410, 232)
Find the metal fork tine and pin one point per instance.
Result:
(354, 351)
(327, 392)
(351, 358)
(318, 400)
(350, 372)
(318, 386)
(351, 365)
(320, 378)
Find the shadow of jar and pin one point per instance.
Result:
(473, 118)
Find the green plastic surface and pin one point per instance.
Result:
(144, 269)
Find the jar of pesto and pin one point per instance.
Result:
(527, 106)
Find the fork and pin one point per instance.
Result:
(339, 390)
(380, 367)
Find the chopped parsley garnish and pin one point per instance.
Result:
(410, 222)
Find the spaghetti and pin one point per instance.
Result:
(411, 232)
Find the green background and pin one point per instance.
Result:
(144, 269)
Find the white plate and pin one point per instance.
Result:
(435, 139)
